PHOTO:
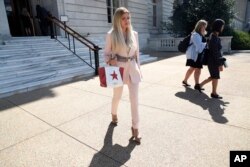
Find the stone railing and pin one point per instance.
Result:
(226, 43)
(171, 44)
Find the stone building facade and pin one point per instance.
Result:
(242, 14)
(95, 16)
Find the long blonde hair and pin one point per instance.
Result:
(117, 37)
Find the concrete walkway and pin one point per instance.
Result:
(69, 125)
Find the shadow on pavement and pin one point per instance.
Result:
(215, 107)
(24, 98)
(34, 95)
(112, 155)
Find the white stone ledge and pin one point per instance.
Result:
(171, 44)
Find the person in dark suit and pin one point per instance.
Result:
(27, 23)
(215, 59)
(42, 15)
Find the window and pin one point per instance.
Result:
(154, 13)
(112, 5)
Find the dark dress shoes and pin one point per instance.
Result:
(185, 84)
(198, 87)
(215, 96)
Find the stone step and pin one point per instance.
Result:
(33, 59)
(14, 51)
(30, 46)
(16, 76)
(33, 68)
(18, 42)
(49, 73)
(45, 83)
(100, 43)
(147, 59)
(28, 39)
(7, 54)
(26, 67)
(51, 61)
(46, 57)
(31, 63)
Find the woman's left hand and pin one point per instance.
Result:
(112, 62)
(220, 68)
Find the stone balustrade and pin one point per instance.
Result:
(171, 44)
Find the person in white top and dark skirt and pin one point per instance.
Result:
(193, 53)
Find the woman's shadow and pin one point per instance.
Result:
(112, 155)
(215, 107)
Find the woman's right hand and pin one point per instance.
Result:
(112, 62)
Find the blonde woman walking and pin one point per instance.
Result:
(122, 49)
(197, 45)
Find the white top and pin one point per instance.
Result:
(196, 47)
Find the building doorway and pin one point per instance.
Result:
(20, 17)
(17, 23)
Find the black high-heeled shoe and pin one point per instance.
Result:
(216, 96)
(198, 87)
(114, 120)
(135, 135)
(185, 84)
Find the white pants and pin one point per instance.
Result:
(133, 96)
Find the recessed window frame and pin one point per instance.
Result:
(112, 5)
(154, 13)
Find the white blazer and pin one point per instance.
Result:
(196, 47)
(131, 68)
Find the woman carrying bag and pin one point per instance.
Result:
(215, 59)
(122, 50)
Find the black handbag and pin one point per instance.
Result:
(205, 56)
(223, 61)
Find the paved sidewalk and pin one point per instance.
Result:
(69, 125)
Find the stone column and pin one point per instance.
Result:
(4, 26)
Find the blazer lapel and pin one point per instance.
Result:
(132, 51)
